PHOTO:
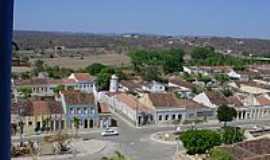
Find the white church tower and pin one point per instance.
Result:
(114, 83)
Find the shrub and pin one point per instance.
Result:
(200, 141)
(219, 154)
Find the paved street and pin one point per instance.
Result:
(136, 143)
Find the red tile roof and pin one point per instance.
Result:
(83, 77)
(216, 98)
(40, 107)
(32, 108)
(163, 100)
(192, 105)
(170, 100)
(34, 81)
(263, 100)
(132, 102)
(68, 81)
(235, 101)
(131, 84)
(74, 97)
(104, 108)
(43, 81)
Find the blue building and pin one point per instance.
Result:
(82, 106)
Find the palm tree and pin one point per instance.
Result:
(76, 122)
(117, 156)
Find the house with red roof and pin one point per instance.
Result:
(169, 109)
(84, 82)
(39, 115)
(43, 86)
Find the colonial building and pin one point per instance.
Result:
(105, 115)
(84, 82)
(39, 115)
(80, 105)
(131, 108)
(252, 108)
(168, 108)
(43, 86)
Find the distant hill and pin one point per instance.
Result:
(35, 40)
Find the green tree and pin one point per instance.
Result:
(232, 135)
(59, 88)
(76, 123)
(173, 60)
(222, 78)
(239, 67)
(227, 92)
(95, 68)
(38, 67)
(117, 156)
(201, 53)
(26, 75)
(169, 60)
(204, 78)
(25, 91)
(200, 141)
(103, 80)
(226, 114)
(220, 154)
(151, 73)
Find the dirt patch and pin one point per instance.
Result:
(20, 69)
(77, 62)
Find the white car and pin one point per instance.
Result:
(178, 129)
(109, 132)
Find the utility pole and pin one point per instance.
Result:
(6, 29)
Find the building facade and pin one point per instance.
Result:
(82, 106)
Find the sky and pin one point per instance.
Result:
(234, 18)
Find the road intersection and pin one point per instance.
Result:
(137, 144)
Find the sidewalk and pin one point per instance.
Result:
(70, 132)
(85, 147)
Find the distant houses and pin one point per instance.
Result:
(43, 86)
(176, 100)
(48, 111)
(151, 104)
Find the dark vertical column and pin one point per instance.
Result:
(6, 28)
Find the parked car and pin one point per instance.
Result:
(178, 130)
(109, 132)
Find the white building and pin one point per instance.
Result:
(154, 87)
(43, 86)
(114, 84)
(233, 75)
(84, 82)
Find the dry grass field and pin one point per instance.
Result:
(20, 69)
(76, 62)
